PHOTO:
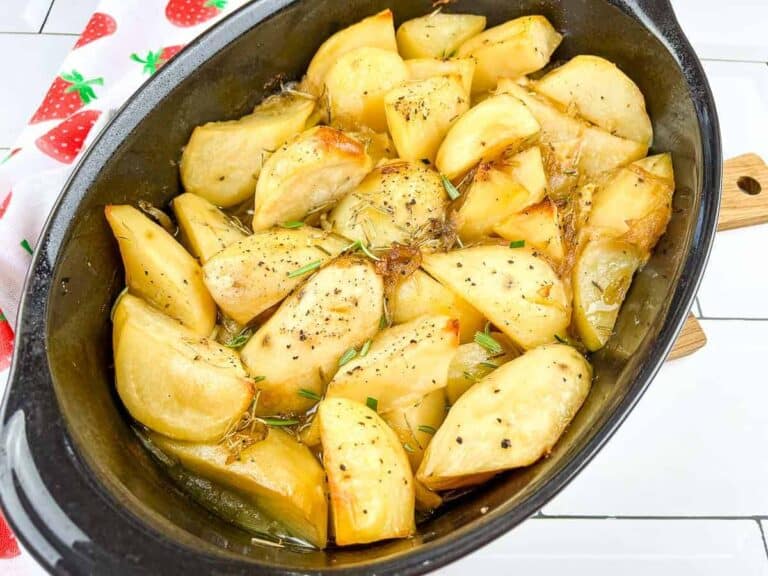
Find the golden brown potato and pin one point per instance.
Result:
(172, 380)
(377, 31)
(370, 479)
(426, 499)
(299, 347)
(252, 275)
(416, 423)
(223, 160)
(538, 226)
(205, 230)
(472, 363)
(403, 364)
(312, 172)
(513, 49)
(378, 145)
(158, 269)
(356, 84)
(424, 68)
(419, 114)
(598, 91)
(659, 165)
(437, 35)
(483, 133)
(396, 202)
(511, 418)
(279, 475)
(518, 292)
(601, 278)
(420, 294)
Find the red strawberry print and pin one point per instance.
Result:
(9, 548)
(187, 13)
(68, 93)
(64, 142)
(154, 60)
(4, 204)
(98, 26)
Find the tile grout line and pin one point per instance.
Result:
(762, 534)
(14, 33)
(733, 318)
(48, 13)
(542, 516)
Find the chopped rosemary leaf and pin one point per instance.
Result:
(292, 224)
(469, 376)
(257, 379)
(427, 429)
(561, 339)
(311, 267)
(365, 348)
(408, 448)
(450, 189)
(489, 343)
(347, 356)
(517, 244)
(278, 422)
(372, 403)
(491, 365)
(383, 322)
(358, 245)
(309, 395)
(239, 341)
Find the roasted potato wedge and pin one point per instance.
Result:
(472, 363)
(511, 418)
(404, 363)
(517, 291)
(527, 168)
(437, 35)
(158, 269)
(378, 145)
(420, 295)
(396, 202)
(370, 479)
(222, 160)
(417, 423)
(424, 68)
(598, 91)
(660, 165)
(172, 380)
(356, 84)
(254, 274)
(377, 31)
(279, 475)
(314, 171)
(513, 49)
(483, 132)
(419, 114)
(300, 345)
(538, 226)
(205, 230)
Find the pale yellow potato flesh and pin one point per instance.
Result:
(483, 132)
(602, 275)
(205, 230)
(160, 270)
(416, 423)
(527, 168)
(250, 276)
(420, 113)
(420, 295)
(423, 68)
(660, 165)
(356, 85)
(222, 160)
(517, 291)
(172, 380)
(314, 171)
(511, 418)
(279, 475)
(470, 364)
(404, 363)
(513, 49)
(377, 31)
(538, 226)
(369, 476)
(437, 35)
(601, 93)
(378, 145)
(299, 347)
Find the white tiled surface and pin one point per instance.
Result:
(691, 459)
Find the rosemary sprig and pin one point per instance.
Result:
(311, 267)
(347, 357)
(309, 395)
(489, 343)
(450, 189)
(372, 403)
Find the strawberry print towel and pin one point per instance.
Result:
(123, 44)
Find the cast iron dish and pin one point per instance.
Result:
(78, 488)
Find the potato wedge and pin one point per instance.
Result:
(205, 230)
(601, 278)
(417, 423)
(556, 125)
(370, 479)
(600, 152)
(511, 418)
(279, 475)
(222, 160)
(377, 31)
(483, 132)
(419, 114)
(470, 364)
(378, 145)
(396, 202)
(660, 165)
(313, 171)
(527, 168)
(158, 269)
(513, 49)
(420, 295)
(598, 91)
(172, 380)
(356, 84)
(517, 291)
(253, 274)
(404, 363)
(538, 226)
(424, 68)
(437, 35)
(300, 345)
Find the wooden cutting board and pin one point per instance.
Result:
(744, 203)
